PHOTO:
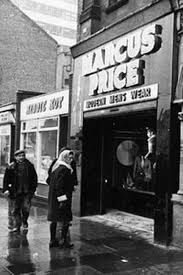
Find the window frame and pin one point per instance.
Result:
(8, 133)
(38, 132)
(115, 5)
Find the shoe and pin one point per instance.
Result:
(25, 226)
(66, 245)
(54, 243)
(15, 229)
(10, 229)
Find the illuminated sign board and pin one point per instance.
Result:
(45, 105)
(126, 97)
(6, 117)
(117, 64)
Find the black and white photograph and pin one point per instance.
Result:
(91, 137)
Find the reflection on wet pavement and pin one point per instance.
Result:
(98, 249)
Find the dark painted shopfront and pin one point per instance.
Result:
(120, 87)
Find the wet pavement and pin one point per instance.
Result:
(101, 246)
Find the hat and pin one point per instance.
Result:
(18, 152)
(150, 129)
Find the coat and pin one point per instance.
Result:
(74, 174)
(61, 183)
(10, 181)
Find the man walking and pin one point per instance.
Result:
(20, 182)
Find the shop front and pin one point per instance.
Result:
(122, 102)
(7, 133)
(44, 122)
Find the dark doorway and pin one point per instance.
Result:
(91, 175)
(107, 179)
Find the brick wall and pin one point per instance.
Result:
(80, 7)
(110, 16)
(27, 55)
(120, 13)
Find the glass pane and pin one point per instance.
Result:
(49, 122)
(48, 152)
(29, 143)
(29, 125)
(134, 170)
(4, 152)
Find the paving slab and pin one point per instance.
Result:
(102, 245)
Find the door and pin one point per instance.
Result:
(91, 189)
(124, 188)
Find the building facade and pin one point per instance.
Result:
(28, 67)
(29, 55)
(43, 132)
(125, 82)
(57, 18)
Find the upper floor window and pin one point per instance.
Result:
(114, 4)
(88, 3)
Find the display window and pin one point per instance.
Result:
(5, 140)
(48, 152)
(30, 146)
(40, 140)
(137, 163)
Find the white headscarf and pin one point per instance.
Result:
(62, 160)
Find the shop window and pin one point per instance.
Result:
(4, 152)
(48, 122)
(137, 164)
(29, 125)
(40, 140)
(48, 152)
(29, 140)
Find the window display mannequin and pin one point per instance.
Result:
(151, 156)
(151, 144)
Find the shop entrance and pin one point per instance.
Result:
(115, 172)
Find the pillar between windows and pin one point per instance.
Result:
(90, 18)
(177, 199)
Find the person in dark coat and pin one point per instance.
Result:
(61, 186)
(73, 165)
(19, 185)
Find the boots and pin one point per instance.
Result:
(65, 242)
(53, 241)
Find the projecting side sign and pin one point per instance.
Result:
(126, 97)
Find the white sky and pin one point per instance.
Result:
(51, 20)
(60, 4)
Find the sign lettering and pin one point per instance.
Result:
(45, 106)
(118, 64)
(126, 97)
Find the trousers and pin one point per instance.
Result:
(18, 210)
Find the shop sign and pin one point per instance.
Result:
(6, 117)
(45, 105)
(126, 97)
(118, 64)
(5, 130)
